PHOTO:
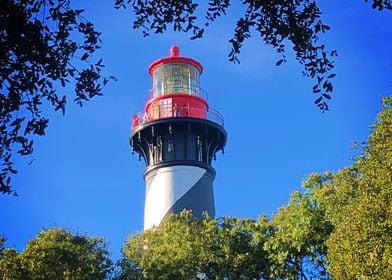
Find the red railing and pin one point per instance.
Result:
(165, 111)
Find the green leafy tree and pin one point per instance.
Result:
(291, 246)
(358, 203)
(10, 265)
(38, 55)
(184, 247)
(57, 254)
(297, 245)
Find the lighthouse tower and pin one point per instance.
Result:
(177, 135)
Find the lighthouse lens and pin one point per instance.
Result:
(176, 78)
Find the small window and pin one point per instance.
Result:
(199, 149)
(170, 146)
(160, 159)
(156, 154)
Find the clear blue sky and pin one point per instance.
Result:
(85, 179)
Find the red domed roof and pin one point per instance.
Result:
(174, 58)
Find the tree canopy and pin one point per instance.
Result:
(358, 204)
(187, 248)
(57, 254)
(44, 46)
(226, 248)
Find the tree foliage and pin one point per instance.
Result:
(358, 201)
(187, 248)
(38, 55)
(57, 254)
(381, 4)
(297, 246)
(226, 248)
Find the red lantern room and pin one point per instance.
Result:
(175, 91)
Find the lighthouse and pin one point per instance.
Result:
(177, 135)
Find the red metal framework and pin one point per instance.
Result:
(163, 112)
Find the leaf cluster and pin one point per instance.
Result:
(39, 54)
(297, 246)
(358, 200)
(57, 254)
(184, 247)
(381, 4)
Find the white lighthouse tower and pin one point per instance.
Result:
(177, 135)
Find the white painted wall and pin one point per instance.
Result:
(166, 188)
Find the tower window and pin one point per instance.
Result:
(159, 149)
(156, 152)
(199, 149)
(170, 146)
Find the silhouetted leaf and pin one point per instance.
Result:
(85, 56)
(318, 100)
(279, 62)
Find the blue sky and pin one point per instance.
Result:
(85, 179)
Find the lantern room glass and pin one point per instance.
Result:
(176, 78)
